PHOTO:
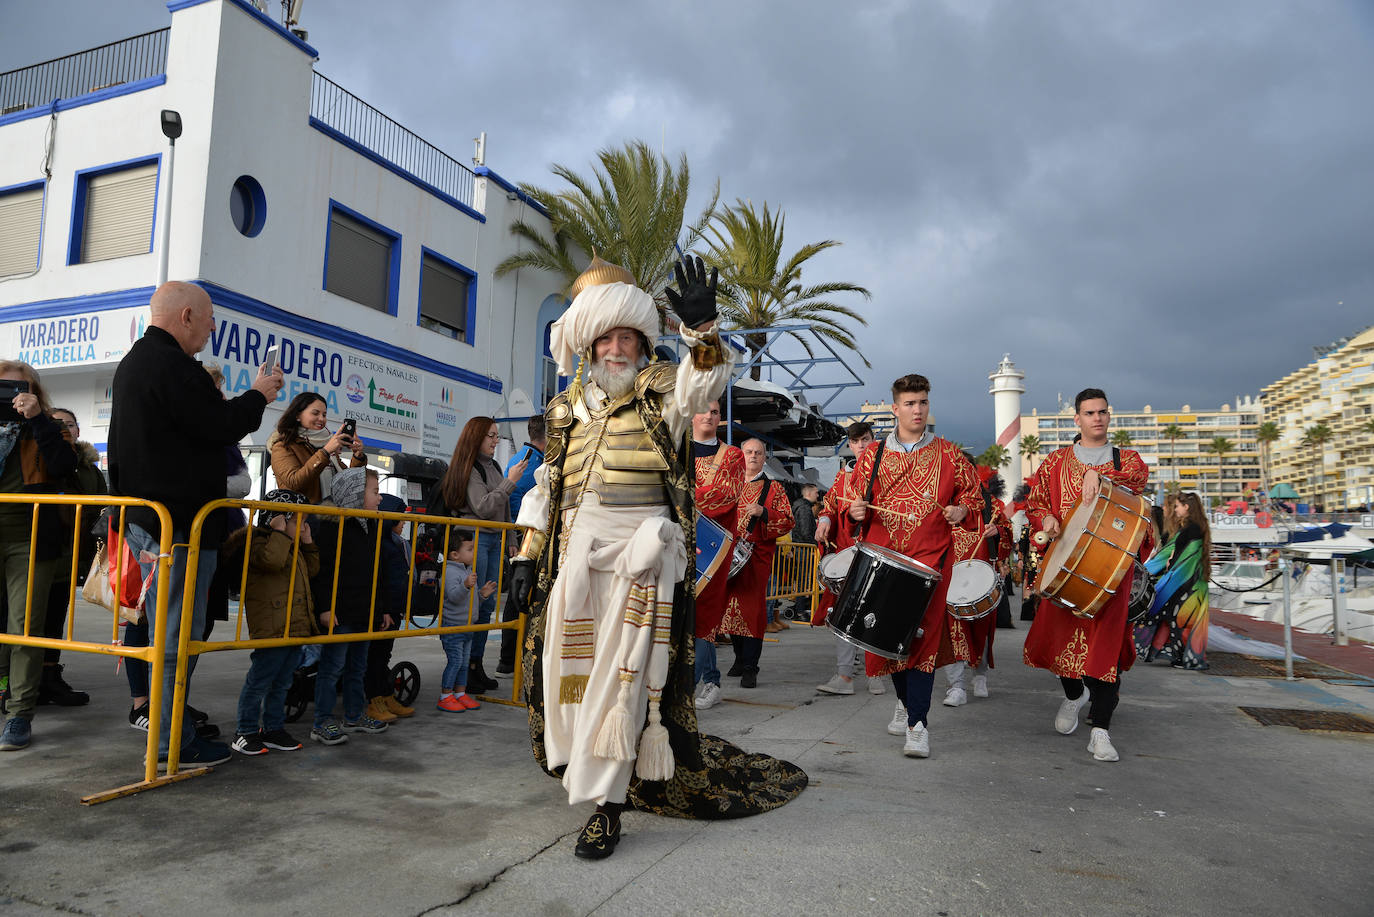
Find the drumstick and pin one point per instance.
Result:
(909, 517)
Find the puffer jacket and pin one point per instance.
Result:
(269, 579)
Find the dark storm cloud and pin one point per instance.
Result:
(1164, 199)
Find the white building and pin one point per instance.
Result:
(314, 222)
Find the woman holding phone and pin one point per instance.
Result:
(305, 455)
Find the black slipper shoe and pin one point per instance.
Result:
(598, 838)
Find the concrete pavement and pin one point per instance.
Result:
(1208, 812)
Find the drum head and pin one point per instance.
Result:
(1072, 529)
(835, 566)
(969, 581)
(897, 559)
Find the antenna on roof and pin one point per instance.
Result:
(293, 11)
(479, 157)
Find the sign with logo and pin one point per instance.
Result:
(88, 339)
(379, 395)
(441, 421)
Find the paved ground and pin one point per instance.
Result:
(1208, 812)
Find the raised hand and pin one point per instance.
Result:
(694, 300)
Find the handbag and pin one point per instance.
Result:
(100, 579)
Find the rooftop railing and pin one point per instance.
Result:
(345, 113)
(122, 61)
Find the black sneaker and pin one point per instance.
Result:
(138, 717)
(207, 731)
(197, 716)
(279, 739)
(251, 744)
(201, 753)
(736, 670)
(750, 678)
(53, 689)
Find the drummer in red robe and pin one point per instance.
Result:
(1088, 654)
(924, 489)
(971, 641)
(719, 478)
(834, 517)
(765, 515)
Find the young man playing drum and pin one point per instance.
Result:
(1088, 654)
(836, 504)
(923, 488)
(719, 479)
(765, 515)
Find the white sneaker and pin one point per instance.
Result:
(1100, 744)
(837, 684)
(1066, 720)
(709, 697)
(980, 686)
(898, 725)
(876, 686)
(956, 697)
(917, 742)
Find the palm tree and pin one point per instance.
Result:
(1121, 439)
(1268, 432)
(760, 288)
(1030, 447)
(994, 456)
(1172, 432)
(1316, 437)
(630, 212)
(1220, 445)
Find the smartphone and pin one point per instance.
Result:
(349, 428)
(9, 389)
(271, 362)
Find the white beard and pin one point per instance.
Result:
(615, 379)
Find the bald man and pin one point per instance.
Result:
(168, 432)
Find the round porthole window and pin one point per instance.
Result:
(247, 205)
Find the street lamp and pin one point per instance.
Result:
(171, 129)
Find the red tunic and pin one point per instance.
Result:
(1069, 646)
(717, 497)
(835, 506)
(967, 638)
(746, 605)
(916, 487)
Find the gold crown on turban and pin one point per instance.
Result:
(597, 273)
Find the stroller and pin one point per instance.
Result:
(405, 676)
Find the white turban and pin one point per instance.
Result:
(595, 311)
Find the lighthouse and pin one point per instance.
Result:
(1006, 389)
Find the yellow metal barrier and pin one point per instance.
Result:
(794, 572)
(153, 654)
(189, 647)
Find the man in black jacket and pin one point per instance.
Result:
(168, 430)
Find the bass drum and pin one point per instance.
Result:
(883, 602)
(1097, 546)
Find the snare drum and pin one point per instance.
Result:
(1097, 546)
(1142, 594)
(713, 546)
(975, 590)
(883, 602)
(835, 567)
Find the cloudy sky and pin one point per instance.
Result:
(1173, 201)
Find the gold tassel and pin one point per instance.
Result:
(615, 739)
(571, 688)
(655, 754)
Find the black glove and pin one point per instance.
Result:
(521, 585)
(696, 303)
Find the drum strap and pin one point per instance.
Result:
(1116, 458)
(762, 501)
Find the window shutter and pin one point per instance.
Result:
(21, 226)
(359, 266)
(119, 213)
(444, 295)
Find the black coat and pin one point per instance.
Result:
(168, 431)
(353, 599)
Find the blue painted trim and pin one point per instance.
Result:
(390, 166)
(382, 444)
(110, 92)
(248, 306)
(393, 280)
(252, 11)
(507, 186)
(470, 323)
(42, 210)
(78, 216)
(95, 302)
